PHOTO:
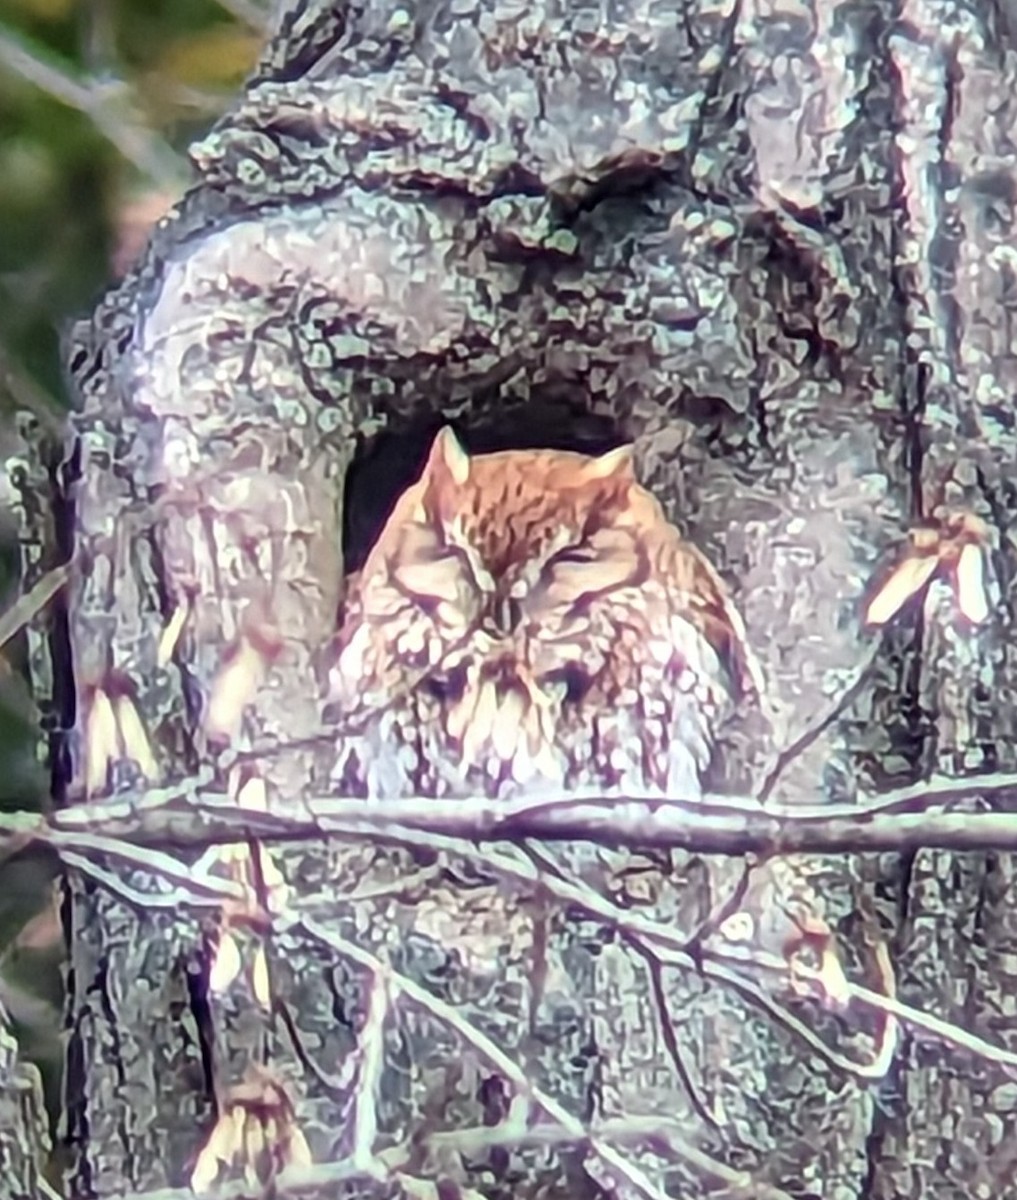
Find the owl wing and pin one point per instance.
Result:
(722, 623)
(699, 590)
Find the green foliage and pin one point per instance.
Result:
(97, 103)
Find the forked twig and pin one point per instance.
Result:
(714, 968)
(941, 1030)
(572, 1129)
(104, 104)
(770, 774)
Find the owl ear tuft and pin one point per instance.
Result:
(615, 464)
(448, 460)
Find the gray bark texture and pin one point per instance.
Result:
(767, 243)
(24, 1130)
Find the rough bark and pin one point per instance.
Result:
(767, 245)
(24, 1127)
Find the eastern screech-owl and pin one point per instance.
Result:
(529, 620)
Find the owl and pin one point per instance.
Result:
(529, 621)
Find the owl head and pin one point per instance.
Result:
(530, 618)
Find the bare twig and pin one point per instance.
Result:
(653, 966)
(668, 946)
(715, 968)
(32, 602)
(571, 1128)
(665, 944)
(28, 395)
(372, 1061)
(106, 105)
(937, 1028)
(192, 887)
(659, 942)
(191, 816)
(772, 770)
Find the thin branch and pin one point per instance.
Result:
(656, 940)
(27, 394)
(30, 63)
(199, 885)
(770, 775)
(371, 1052)
(28, 606)
(667, 946)
(939, 1029)
(104, 104)
(196, 894)
(713, 967)
(621, 1130)
(573, 1130)
(726, 906)
(190, 817)
(654, 970)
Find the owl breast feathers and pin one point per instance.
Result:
(530, 620)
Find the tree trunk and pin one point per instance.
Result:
(770, 248)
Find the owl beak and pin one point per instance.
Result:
(501, 720)
(507, 730)
(478, 728)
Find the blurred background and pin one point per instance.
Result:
(98, 102)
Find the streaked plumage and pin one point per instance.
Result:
(528, 619)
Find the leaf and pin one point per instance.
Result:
(905, 580)
(134, 738)
(260, 985)
(171, 634)
(225, 966)
(102, 742)
(969, 584)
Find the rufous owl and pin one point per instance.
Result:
(530, 621)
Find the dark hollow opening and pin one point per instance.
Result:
(387, 463)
